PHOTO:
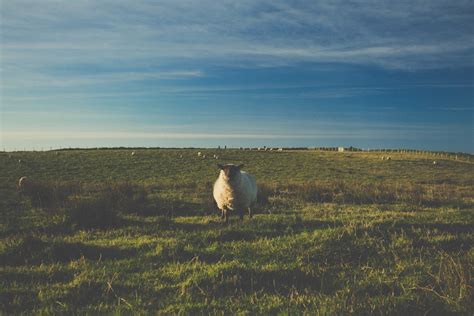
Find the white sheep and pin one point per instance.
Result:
(435, 162)
(234, 190)
(199, 154)
(22, 183)
(133, 153)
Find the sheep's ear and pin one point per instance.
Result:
(220, 166)
(240, 166)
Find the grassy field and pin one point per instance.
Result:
(335, 233)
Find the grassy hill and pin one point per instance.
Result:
(335, 233)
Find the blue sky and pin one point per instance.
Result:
(371, 74)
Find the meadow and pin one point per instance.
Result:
(105, 231)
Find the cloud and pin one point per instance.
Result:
(66, 80)
(114, 42)
(390, 34)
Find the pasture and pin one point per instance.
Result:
(333, 233)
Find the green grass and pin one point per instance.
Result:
(335, 233)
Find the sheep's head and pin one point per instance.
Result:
(230, 171)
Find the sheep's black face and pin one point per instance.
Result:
(230, 171)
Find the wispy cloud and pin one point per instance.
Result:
(75, 80)
(37, 38)
(391, 34)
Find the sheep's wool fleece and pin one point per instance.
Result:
(236, 196)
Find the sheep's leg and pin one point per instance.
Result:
(241, 214)
(250, 212)
(222, 214)
(226, 216)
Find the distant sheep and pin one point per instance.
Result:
(199, 154)
(203, 156)
(23, 183)
(133, 153)
(19, 161)
(235, 190)
(435, 162)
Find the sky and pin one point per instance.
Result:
(369, 74)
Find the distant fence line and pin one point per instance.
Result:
(427, 153)
(432, 154)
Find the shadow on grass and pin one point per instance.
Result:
(235, 280)
(252, 229)
(32, 250)
(17, 301)
(36, 277)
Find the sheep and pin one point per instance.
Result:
(435, 162)
(22, 183)
(19, 160)
(234, 190)
(204, 156)
(133, 153)
(199, 154)
(389, 158)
